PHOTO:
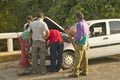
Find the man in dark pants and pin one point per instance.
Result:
(56, 50)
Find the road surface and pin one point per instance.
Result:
(107, 68)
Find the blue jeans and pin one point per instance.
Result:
(56, 52)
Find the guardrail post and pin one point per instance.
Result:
(10, 45)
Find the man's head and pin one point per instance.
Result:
(67, 30)
(29, 18)
(40, 15)
(79, 16)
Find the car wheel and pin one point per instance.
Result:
(68, 59)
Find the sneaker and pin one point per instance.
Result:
(73, 75)
(83, 74)
(71, 71)
(43, 72)
(35, 71)
(60, 70)
(52, 70)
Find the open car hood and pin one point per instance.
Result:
(53, 25)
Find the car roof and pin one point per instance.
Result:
(102, 20)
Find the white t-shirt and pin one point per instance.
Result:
(38, 28)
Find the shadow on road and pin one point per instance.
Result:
(109, 59)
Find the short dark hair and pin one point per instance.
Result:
(40, 15)
(79, 15)
(29, 17)
(67, 28)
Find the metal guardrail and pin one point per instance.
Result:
(9, 37)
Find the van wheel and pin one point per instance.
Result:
(68, 59)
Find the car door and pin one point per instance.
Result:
(114, 37)
(98, 41)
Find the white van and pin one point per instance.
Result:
(104, 39)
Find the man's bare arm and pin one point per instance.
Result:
(30, 38)
(72, 33)
(71, 39)
(47, 33)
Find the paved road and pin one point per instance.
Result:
(99, 69)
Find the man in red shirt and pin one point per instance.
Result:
(56, 50)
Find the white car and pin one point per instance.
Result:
(104, 39)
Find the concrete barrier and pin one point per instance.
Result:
(9, 37)
(10, 56)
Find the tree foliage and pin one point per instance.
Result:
(13, 13)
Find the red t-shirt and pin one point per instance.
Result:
(55, 36)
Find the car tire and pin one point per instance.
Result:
(68, 60)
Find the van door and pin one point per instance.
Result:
(114, 37)
(98, 41)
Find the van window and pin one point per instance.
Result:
(98, 29)
(114, 27)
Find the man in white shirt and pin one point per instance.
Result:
(39, 32)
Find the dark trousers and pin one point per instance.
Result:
(56, 51)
